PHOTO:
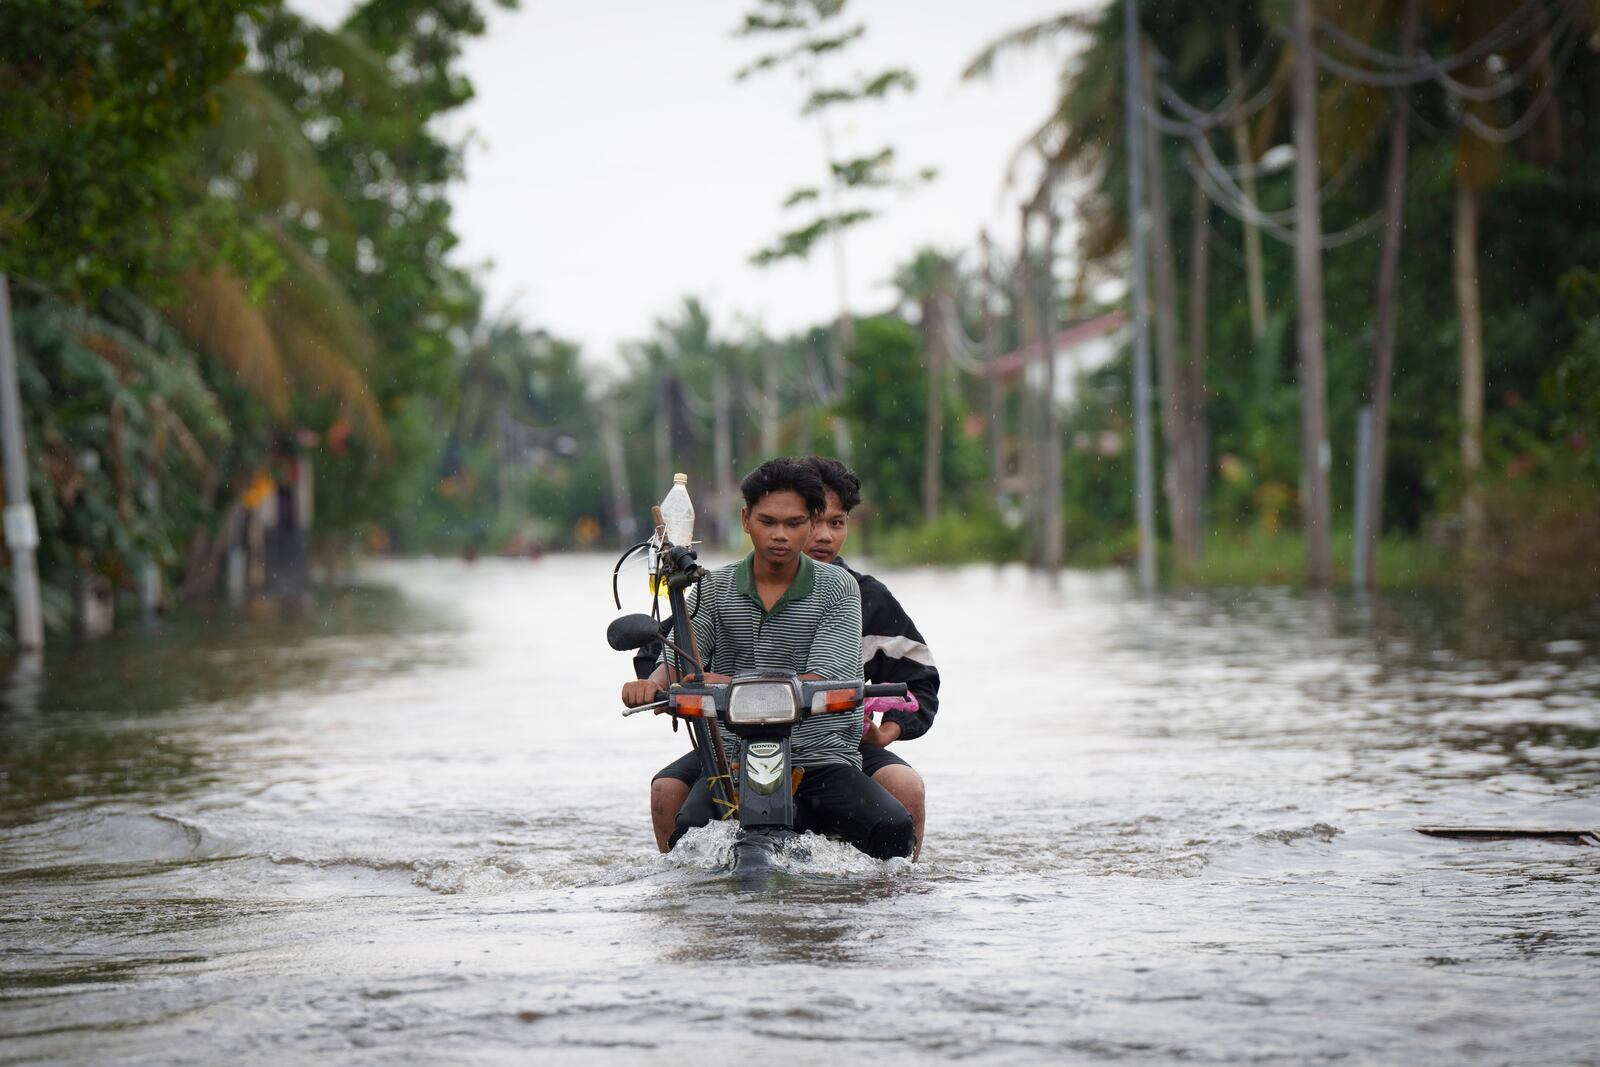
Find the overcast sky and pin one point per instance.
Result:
(616, 166)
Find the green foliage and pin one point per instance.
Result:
(1537, 250)
(124, 435)
(1251, 557)
(875, 88)
(217, 263)
(101, 100)
(1097, 466)
(797, 244)
(886, 407)
(866, 172)
(809, 29)
(521, 460)
(974, 536)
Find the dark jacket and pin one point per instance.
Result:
(894, 651)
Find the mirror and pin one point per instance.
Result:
(632, 631)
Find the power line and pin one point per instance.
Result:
(1513, 81)
(1233, 200)
(1227, 112)
(962, 348)
(1508, 27)
(1510, 32)
(1507, 134)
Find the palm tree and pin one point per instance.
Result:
(303, 332)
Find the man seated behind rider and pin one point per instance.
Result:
(776, 608)
(893, 649)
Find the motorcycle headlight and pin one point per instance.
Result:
(762, 703)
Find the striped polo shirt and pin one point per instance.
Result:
(814, 628)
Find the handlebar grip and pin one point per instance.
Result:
(885, 689)
(657, 704)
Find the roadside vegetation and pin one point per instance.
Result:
(228, 238)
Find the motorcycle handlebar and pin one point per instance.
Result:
(883, 689)
(657, 704)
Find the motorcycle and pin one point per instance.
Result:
(759, 708)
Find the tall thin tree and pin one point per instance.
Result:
(1314, 451)
(1178, 479)
(1378, 393)
(1255, 273)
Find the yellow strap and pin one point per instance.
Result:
(730, 808)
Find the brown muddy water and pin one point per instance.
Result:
(406, 824)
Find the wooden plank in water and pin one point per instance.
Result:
(1514, 833)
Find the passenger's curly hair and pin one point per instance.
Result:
(785, 474)
(836, 476)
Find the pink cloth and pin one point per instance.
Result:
(878, 705)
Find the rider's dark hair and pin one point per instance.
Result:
(785, 475)
(836, 476)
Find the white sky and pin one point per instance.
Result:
(616, 166)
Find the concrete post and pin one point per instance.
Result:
(1358, 563)
(22, 527)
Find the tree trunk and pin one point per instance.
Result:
(1394, 217)
(769, 404)
(1053, 546)
(1469, 313)
(933, 437)
(1199, 435)
(991, 352)
(1254, 272)
(1314, 451)
(1178, 479)
(622, 515)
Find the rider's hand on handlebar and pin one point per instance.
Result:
(641, 691)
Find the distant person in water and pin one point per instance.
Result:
(892, 650)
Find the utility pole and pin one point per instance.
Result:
(1144, 478)
(1050, 421)
(1314, 449)
(22, 528)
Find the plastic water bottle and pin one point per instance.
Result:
(677, 511)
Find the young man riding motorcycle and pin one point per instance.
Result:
(778, 609)
(893, 651)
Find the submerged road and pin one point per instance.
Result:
(407, 825)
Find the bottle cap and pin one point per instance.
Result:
(680, 479)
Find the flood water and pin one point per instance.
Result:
(407, 824)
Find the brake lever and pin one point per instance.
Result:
(656, 706)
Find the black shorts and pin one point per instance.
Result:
(686, 768)
(874, 758)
